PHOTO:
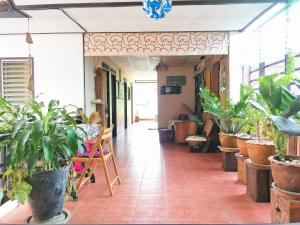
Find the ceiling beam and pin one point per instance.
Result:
(18, 11)
(73, 20)
(257, 17)
(138, 3)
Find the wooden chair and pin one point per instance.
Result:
(101, 152)
(205, 138)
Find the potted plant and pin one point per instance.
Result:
(40, 142)
(229, 117)
(283, 108)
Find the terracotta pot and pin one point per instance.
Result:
(286, 176)
(227, 140)
(242, 145)
(260, 152)
(192, 128)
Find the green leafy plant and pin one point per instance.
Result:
(37, 138)
(229, 117)
(281, 106)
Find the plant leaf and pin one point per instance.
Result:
(17, 126)
(293, 109)
(286, 125)
(47, 149)
(36, 134)
(72, 140)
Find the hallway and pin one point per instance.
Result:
(161, 184)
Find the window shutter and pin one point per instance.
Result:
(15, 81)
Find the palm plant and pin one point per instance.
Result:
(37, 138)
(229, 116)
(281, 106)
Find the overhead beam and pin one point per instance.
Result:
(139, 3)
(257, 17)
(73, 20)
(18, 11)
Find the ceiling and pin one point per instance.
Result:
(143, 66)
(122, 18)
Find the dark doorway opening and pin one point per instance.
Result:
(114, 103)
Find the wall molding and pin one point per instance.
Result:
(156, 43)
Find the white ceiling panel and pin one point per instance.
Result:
(46, 21)
(43, 2)
(181, 18)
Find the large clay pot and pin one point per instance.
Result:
(180, 131)
(48, 193)
(286, 175)
(260, 152)
(242, 145)
(227, 140)
(192, 128)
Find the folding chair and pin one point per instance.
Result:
(101, 152)
(206, 138)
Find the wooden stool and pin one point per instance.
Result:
(285, 206)
(229, 161)
(258, 180)
(241, 167)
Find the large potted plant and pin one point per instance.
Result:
(283, 107)
(262, 146)
(40, 142)
(228, 116)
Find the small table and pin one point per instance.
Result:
(195, 141)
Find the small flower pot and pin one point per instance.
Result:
(227, 140)
(286, 174)
(259, 152)
(242, 145)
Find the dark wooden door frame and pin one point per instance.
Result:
(114, 117)
(108, 99)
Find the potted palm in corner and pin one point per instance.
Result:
(228, 116)
(40, 142)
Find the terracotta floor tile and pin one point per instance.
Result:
(161, 183)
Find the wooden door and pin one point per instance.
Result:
(215, 79)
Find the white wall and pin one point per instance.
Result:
(58, 64)
(235, 65)
(170, 106)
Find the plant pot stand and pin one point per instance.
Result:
(241, 167)
(229, 161)
(61, 218)
(259, 180)
(285, 206)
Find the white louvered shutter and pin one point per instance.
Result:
(15, 81)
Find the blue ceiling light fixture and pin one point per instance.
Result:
(157, 9)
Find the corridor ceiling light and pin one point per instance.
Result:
(161, 66)
(157, 9)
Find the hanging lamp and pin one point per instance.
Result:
(161, 66)
(157, 9)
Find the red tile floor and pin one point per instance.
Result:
(161, 184)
